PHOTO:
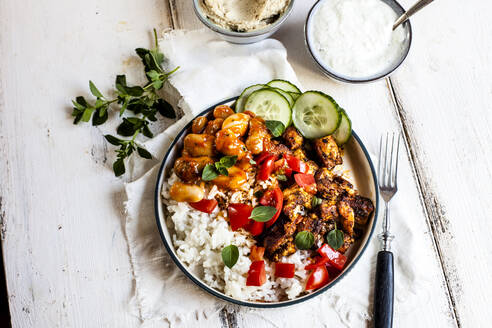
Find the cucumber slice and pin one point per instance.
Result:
(344, 131)
(316, 114)
(244, 96)
(295, 95)
(270, 105)
(286, 95)
(284, 85)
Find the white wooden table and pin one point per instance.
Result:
(65, 254)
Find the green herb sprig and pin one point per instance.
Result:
(211, 171)
(142, 101)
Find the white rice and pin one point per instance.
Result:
(199, 239)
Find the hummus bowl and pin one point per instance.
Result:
(356, 161)
(245, 37)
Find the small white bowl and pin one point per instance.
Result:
(328, 71)
(242, 37)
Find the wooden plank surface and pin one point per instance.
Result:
(61, 214)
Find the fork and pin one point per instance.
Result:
(387, 174)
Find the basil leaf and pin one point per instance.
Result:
(222, 170)
(144, 153)
(304, 240)
(334, 238)
(316, 201)
(119, 167)
(228, 161)
(94, 90)
(165, 109)
(113, 140)
(275, 127)
(263, 213)
(209, 173)
(126, 128)
(230, 255)
(281, 177)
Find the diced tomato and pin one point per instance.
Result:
(256, 253)
(281, 167)
(256, 274)
(205, 205)
(285, 270)
(318, 278)
(266, 168)
(306, 181)
(274, 198)
(335, 258)
(255, 227)
(261, 158)
(238, 215)
(296, 164)
(320, 261)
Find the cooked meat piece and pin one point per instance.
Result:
(328, 152)
(236, 179)
(189, 169)
(223, 111)
(316, 225)
(296, 200)
(328, 211)
(237, 124)
(292, 138)
(362, 207)
(347, 241)
(312, 167)
(300, 154)
(199, 145)
(229, 144)
(279, 241)
(346, 216)
(276, 148)
(258, 136)
(199, 124)
(331, 186)
(214, 126)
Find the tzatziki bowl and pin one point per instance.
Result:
(352, 41)
(243, 21)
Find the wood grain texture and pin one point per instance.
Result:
(444, 95)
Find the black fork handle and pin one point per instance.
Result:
(384, 292)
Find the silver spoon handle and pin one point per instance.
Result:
(412, 10)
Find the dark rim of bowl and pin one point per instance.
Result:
(223, 31)
(157, 199)
(334, 75)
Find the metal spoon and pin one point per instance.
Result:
(416, 7)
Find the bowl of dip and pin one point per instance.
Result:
(352, 40)
(243, 21)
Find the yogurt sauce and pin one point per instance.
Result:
(355, 38)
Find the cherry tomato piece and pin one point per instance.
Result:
(238, 215)
(296, 164)
(261, 158)
(255, 227)
(306, 181)
(274, 198)
(256, 274)
(320, 261)
(318, 278)
(266, 168)
(335, 258)
(285, 270)
(205, 205)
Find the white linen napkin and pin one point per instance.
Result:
(213, 70)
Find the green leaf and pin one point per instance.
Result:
(135, 91)
(146, 132)
(78, 106)
(263, 213)
(316, 201)
(209, 173)
(334, 238)
(228, 161)
(126, 128)
(144, 153)
(304, 240)
(113, 140)
(153, 75)
(157, 84)
(81, 100)
(124, 105)
(222, 170)
(275, 127)
(119, 167)
(97, 119)
(165, 109)
(120, 83)
(86, 116)
(281, 177)
(230, 255)
(94, 90)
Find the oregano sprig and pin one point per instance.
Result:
(142, 101)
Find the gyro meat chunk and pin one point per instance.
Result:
(330, 186)
(296, 200)
(276, 148)
(189, 169)
(292, 138)
(258, 136)
(347, 216)
(362, 206)
(328, 152)
(315, 225)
